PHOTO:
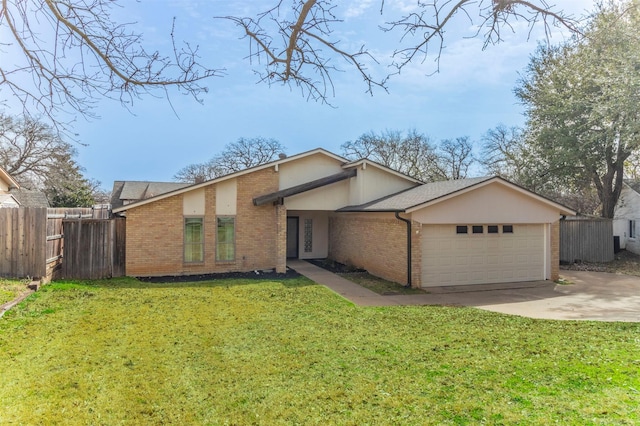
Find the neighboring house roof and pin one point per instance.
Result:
(126, 192)
(633, 184)
(434, 192)
(8, 200)
(276, 163)
(5, 176)
(30, 198)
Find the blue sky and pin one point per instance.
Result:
(155, 138)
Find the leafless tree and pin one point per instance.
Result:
(67, 53)
(412, 153)
(236, 156)
(35, 155)
(29, 149)
(504, 152)
(455, 157)
(294, 44)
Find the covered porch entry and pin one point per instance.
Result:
(307, 234)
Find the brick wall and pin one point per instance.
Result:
(154, 238)
(256, 227)
(155, 232)
(375, 242)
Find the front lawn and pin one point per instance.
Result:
(291, 352)
(11, 289)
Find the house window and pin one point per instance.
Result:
(308, 235)
(225, 239)
(492, 229)
(193, 239)
(507, 229)
(477, 229)
(632, 229)
(461, 229)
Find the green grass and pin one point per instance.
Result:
(11, 289)
(290, 352)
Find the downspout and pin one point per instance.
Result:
(408, 222)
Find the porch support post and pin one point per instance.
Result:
(281, 239)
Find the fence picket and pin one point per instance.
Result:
(32, 243)
(589, 240)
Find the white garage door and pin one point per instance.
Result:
(490, 255)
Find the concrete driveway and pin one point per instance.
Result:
(592, 296)
(595, 296)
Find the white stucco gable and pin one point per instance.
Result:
(495, 202)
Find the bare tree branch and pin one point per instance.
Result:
(306, 55)
(301, 60)
(68, 53)
(421, 30)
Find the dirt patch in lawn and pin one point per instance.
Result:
(625, 262)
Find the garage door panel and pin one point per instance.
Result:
(461, 259)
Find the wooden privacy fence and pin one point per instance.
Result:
(23, 241)
(32, 239)
(588, 240)
(55, 234)
(94, 248)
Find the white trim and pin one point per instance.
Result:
(365, 162)
(7, 177)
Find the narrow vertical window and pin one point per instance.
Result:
(193, 239)
(632, 229)
(226, 239)
(308, 235)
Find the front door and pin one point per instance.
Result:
(292, 237)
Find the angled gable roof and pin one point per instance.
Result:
(431, 193)
(195, 186)
(276, 163)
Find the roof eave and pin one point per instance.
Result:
(229, 176)
(7, 177)
(366, 161)
(308, 186)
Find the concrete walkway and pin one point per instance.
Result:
(592, 296)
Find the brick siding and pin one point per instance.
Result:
(375, 242)
(155, 232)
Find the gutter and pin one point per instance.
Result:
(408, 222)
